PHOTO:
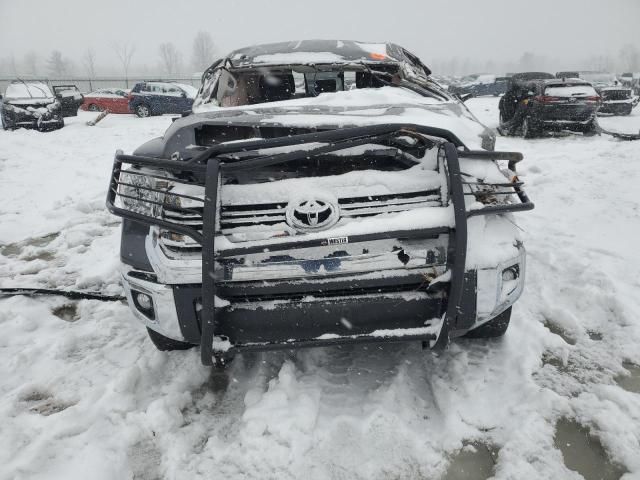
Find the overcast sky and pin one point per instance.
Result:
(480, 29)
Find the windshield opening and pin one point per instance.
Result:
(228, 88)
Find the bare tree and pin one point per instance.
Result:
(170, 58)
(56, 64)
(30, 63)
(203, 51)
(89, 62)
(125, 52)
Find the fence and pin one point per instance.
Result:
(86, 84)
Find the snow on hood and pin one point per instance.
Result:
(369, 106)
(34, 90)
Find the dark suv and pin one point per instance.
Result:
(344, 198)
(536, 102)
(158, 98)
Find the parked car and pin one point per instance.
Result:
(482, 85)
(70, 98)
(158, 98)
(113, 100)
(536, 102)
(617, 99)
(568, 74)
(30, 105)
(320, 210)
(632, 81)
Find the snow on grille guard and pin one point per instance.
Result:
(208, 166)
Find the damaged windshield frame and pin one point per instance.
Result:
(391, 77)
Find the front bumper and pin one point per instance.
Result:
(617, 107)
(284, 315)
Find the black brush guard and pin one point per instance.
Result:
(207, 164)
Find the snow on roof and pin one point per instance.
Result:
(28, 90)
(315, 51)
(298, 57)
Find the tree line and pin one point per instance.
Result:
(170, 60)
(627, 59)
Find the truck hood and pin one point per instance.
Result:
(387, 105)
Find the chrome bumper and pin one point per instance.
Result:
(165, 317)
(493, 294)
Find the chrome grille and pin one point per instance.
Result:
(616, 94)
(257, 219)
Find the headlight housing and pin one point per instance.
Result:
(141, 193)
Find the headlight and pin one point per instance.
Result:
(141, 193)
(511, 273)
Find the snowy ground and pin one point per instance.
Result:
(85, 395)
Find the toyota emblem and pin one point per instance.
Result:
(312, 213)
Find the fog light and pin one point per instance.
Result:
(511, 273)
(144, 301)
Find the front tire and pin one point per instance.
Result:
(496, 327)
(591, 129)
(166, 344)
(94, 108)
(143, 110)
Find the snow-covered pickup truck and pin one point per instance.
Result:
(322, 193)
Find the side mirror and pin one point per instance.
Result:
(183, 95)
(465, 96)
(0, 96)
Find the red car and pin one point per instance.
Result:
(112, 99)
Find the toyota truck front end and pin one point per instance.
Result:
(319, 205)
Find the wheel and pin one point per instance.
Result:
(143, 110)
(167, 344)
(591, 129)
(496, 327)
(528, 131)
(627, 111)
(94, 108)
(5, 123)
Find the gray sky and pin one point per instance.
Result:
(435, 30)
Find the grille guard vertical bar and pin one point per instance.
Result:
(457, 245)
(208, 262)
